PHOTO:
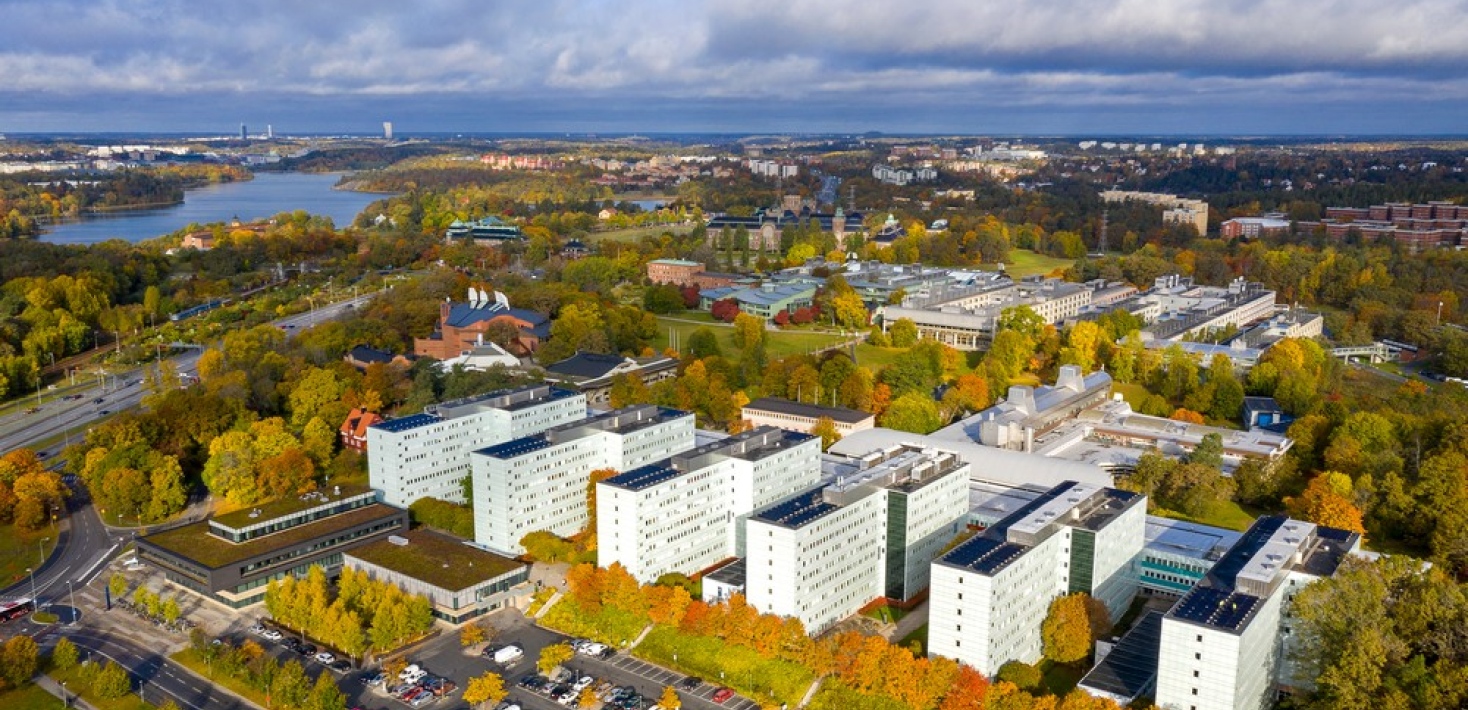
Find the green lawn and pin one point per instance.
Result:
(19, 550)
(1133, 393)
(30, 697)
(780, 343)
(126, 702)
(190, 659)
(886, 614)
(632, 234)
(1023, 262)
(920, 636)
(1227, 515)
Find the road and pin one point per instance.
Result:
(71, 417)
(154, 676)
(82, 545)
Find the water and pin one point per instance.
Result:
(267, 195)
(650, 205)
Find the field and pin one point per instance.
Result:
(1224, 514)
(1023, 262)
(780, 343)
(632, 234)
(876, 358)
(18, 550)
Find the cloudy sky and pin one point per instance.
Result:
(971, 66)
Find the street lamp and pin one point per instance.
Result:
(65, 699)
(71, 600)
(35, 603)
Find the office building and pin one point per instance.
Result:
(823, 554)
(231, 558)
(685, 514)
(799, 416)
(964, 317)
(427, 454)
(460, 581)
(1225, 645)
(1175, 210)
(990, 595)
(539, 482)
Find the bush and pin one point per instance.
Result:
(443, 515)
(608, 625)
(744, 669)
(1023, 675)
(544, 546)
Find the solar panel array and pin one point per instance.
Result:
(985, 555)
(1226, 571)
(1216, 607)
(798, 510)
(411, 421)
(1001, 528)
(518, 447)
(643, 477)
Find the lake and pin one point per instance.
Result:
(265, 196)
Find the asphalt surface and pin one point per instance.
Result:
(154, 676)
(82, 546)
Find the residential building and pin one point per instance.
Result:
(823, 554)
(362, 356)
(427, 454)
(539, 482)
(460, 581)
(591, 374)
(464, 326)
(685, 514)
(353, 431)
(799, 416)
(1430, 225)
(764, 301)
(231, 558)
(990, 594)
(1225, 645)
(1254, 227)
(1175, 210)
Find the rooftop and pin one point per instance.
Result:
(194, 542)
(752, 445)
(618, 421)
(1072, 504)
(441, 560)
(732, 574)
(781, 405)
(282, 507)
(798, 510)
(412, 421)
(1130, 669)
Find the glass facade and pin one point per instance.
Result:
(1082, 560)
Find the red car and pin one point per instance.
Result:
(722, 694)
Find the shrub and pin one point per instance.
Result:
(744, 669)
(1023, 675)
(443, 515)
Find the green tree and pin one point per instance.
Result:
(913, 412)
(703, 343)
(64, 657)
(1066, 631)
(325, 695)
(290, 686)
(19, 659)
(580, 326)
(485, 689)
(117, 584)
(903, 333)
(1208, 452)
(552, 656)
(170, 610)
(111, 682)
(1022, 320)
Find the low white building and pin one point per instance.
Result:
(683, 514)
(427, 455)
(539, 482)
(990, 595)
(460, 581)
(822, 555)
(799, 416)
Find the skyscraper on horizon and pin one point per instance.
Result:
(269, 132)
(244, 134)
(387, 130)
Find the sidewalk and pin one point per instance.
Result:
(66, 696)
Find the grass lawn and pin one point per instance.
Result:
(741, 668)
(1133, 393)
(30, 697)
(780, 343)
(19, 550)
(632, 234)
(1023, 262)
(918, 636)
(886, 614)
(1227, 514)
(126, 702)
(190, 659)
(1060, 679)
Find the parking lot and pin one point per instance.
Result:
(662, 676)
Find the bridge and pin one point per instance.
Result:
(1374, 353)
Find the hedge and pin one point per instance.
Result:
(753, 675)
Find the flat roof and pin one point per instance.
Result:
(732, 574)
(282, 507)
(193, 541)
(986, 462)
(443, 561)
(1130, 669)
(812, 411)
(412, 421)
(798, 510)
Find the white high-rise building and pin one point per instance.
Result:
(539, 482)
(990, 595)
(427, 455)
(823, 554)
(1225, 645)
(684, 514)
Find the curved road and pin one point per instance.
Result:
(154, 676)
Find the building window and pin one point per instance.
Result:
(1197, 656)
(1200, 638)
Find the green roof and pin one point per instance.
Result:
(282, 507)
(193, 541)
(441, 560)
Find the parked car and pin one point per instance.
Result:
(325, 657)
(273, 635)
(413, 671)
(722, 695)
(508, 655)
(257, 629)
(374, 678)
(423, 699)
(690, 683)
(582, 683)
(567, 698)
(341, 666)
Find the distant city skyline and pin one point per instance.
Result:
(1063, 67)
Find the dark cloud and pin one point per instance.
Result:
(1302, 66)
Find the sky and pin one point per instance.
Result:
(1052, 67)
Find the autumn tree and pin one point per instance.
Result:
(903, 333)
(1066, 632)
(552, 656)
(484, 689)
(1326, 501)
(749, 331)
(471, 634)
(64, 656)
(19, 659)
(913, 412)
(825, 427)
(670, 699)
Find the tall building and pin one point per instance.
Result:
(244, 134)
(387, 130)
(1225, 645)
(269, 132)
(427, 455)
(823, 554)
(990, 595)
(539, 482)
(686, 513)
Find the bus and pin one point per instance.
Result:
(12, 610)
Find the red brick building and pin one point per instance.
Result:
(354, 430)
(461, 326)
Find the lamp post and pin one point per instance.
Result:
(1439, 312)
(65, 699)
(35, 603)
(71, 600)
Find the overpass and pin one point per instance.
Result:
(1374, 353)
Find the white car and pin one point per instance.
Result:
(273, 635)
(325, 658)
(582, 683)
(257, 629)
(411, 674)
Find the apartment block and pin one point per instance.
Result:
(822, 555)
(686, 513)
(539, 482)
(427, 455)
(1224, 646)
(990, 595)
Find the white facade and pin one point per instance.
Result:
(822, 555)
(682, 514)
(990, 595)
(427, 455)
(539, 482)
